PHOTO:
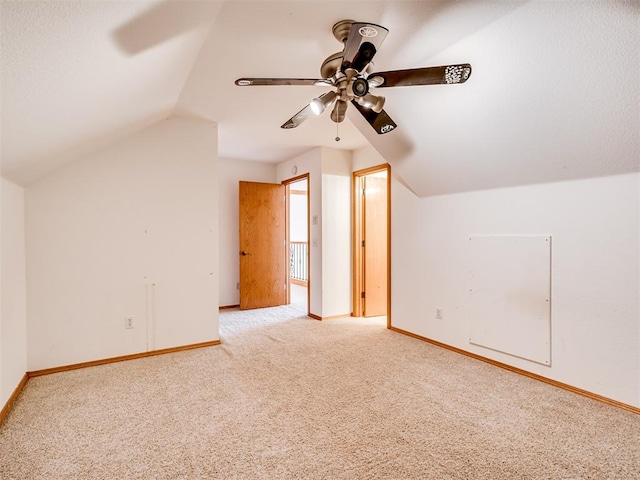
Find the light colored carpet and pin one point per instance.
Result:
(301, 399)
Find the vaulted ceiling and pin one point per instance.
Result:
(553, 95)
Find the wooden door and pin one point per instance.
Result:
(375, 245)
(262, 245)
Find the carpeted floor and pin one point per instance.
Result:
(287, 397)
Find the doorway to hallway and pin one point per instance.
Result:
(372, 242)
(297, 196)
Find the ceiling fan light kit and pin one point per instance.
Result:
(318, 105)
(372, 102)
(347, 72)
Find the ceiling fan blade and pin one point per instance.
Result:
(446, 74)
(247, 82)
(381, 122)
(298, 118)
(363, 42)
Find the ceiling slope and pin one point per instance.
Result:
(269, 39)
(292, 39)
(553, 95)
(79, 75)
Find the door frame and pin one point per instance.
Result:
(357, 228)
(287, 183)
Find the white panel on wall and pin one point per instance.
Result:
(510, 295)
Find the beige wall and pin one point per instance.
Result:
(13, 317)
(129, 231)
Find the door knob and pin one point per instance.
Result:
(244, 253)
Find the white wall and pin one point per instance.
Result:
(365, 158)
(230, 172)
(13, 317)
(595, 313)
(337, 262)
(129, 231)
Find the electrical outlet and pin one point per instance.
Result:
(128, 322)
(438, 313)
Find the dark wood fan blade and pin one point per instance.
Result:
(381, 122)
(250, 82)
(446, 74)
(363, 42)
(298, 118)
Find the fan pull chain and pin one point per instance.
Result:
(337, 132)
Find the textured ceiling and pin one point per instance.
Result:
(553, 94)
(69, 87)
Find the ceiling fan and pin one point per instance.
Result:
(348, 73)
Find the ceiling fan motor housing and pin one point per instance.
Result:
(341, 30)
(359, 87)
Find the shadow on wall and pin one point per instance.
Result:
(161, 23)
(449, 22)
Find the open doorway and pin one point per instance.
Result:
(297, 196)
(372, 242)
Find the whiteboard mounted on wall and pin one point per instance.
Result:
(510, 295)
